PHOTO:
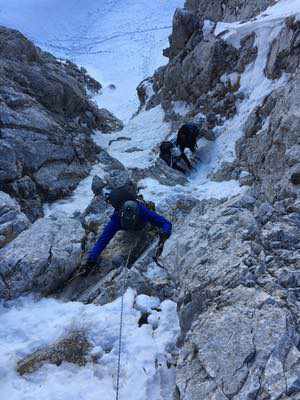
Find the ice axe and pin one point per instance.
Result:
(159, 249)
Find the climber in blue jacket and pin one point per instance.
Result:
(129, 215)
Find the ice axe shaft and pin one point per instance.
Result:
(158, 252)
(159, 249)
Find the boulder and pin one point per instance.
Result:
(41, 258)
(72, 349)
(46, 121)
(184, 25)
(26, 191)
(12, 220)
(56, 180)
(104, 120)
(97, 185)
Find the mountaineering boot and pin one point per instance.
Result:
(85, 268)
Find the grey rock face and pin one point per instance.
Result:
(285, 50)
(293, 155)
(15, 46)
(269, 154)
(25, 190)
(97, 185)
(237, 333)
(46, 121)
(184, 25)
(12, 220)
(248, 52)
(230, 11)
(41, 258)
(203, 71)
(295, 177)
(193, 74)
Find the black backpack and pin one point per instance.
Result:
(166, 147)
(130, 216)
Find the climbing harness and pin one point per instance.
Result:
(121, 321)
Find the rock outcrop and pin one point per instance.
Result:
(229, 11)
(235, 261)
(72, 349)
(42, 257)
(46, 120)
(204, 71)
(269, 150)
(12, 220)
(285, 50)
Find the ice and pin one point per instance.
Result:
(27, 325)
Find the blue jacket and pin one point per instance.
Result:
(114, 226)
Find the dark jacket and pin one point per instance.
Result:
(187, 137)
(114, 226)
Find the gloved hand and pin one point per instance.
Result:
(163, 236)
(87, 266)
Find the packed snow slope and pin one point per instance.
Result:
(29, 325)
(119, 42)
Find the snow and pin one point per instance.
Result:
(80, 198)
(119, 42)
(143, 133)
(145, 303)
(27, 325)
(255, 86)
(181, 108)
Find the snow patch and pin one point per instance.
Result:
(27, 325)
(80, 198)
(145, 132)
(181, 108)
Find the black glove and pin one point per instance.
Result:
(88, 266)
(163, 236)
